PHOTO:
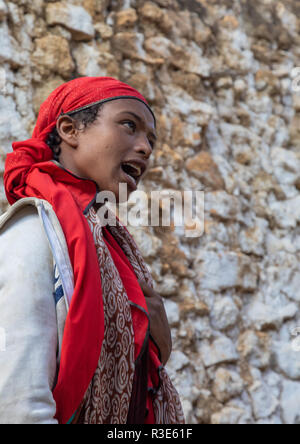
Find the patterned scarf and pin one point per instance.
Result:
(108, 397)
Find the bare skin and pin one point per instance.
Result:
(97, 151)
(124, 130)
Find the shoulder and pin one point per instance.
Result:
(28, 319)
(13, 219)
(22, 235)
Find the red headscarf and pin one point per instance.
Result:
(29, 172)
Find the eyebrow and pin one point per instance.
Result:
(139, 119)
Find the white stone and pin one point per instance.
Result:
(260, 315)
(3, 10)
(287, 212)
(255, 373)
(177, 361)
(9, 50)
(159, 45)
(22, 97)
(254, 348)
(217, 145)
(263, 401)
(187, 387)
(87, 60)
(252, 239)
(296, 102)
(172, 311)
(105, 31)
(292, 288)
(198, 63)
(239, 135)
(288, 20)
(218, 271)
(276, 244)
(148, 243)
(281, 280)
(272, 379)
(287, 358)
(11, 125)
(224, 313)
(286, 164)
(239, 85)
(184, 104)
(217, 231)
(231, 415)
(188, 410)
(289, 402)
(223, 205)
(221, 350)
(168, 286)
(227, 384)
(75, 18)
(203, 329)
(15, 14)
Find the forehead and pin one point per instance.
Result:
(122, 105)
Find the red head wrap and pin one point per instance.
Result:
(29, 172)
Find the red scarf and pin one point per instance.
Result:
(29, 172)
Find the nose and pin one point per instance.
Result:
(143, 146)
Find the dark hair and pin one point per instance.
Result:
(86, 117)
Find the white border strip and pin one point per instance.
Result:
(58, 253)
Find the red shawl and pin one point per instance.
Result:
(29, 172)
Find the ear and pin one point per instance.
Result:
(67, 130)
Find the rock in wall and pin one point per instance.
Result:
(222, 78)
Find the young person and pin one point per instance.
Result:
(86, 336)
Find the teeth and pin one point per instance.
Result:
(137, 168)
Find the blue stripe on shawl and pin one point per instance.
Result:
(58, 294)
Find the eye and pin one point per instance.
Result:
(152, 144)
(130, 124)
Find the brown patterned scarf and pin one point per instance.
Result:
(108, 398)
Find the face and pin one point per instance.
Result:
(123, 131)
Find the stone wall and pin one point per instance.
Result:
(219, 75)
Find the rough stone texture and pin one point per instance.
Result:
(52, 54)
(220, 351)
(289, 402)
(221, 77)
(75, 18)
(227, 384)
(233, 270)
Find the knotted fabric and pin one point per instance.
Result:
(30, 172)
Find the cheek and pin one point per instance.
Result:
(86, 159)
(100, 166)
(101, 152)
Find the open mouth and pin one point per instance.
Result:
(133, 172)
